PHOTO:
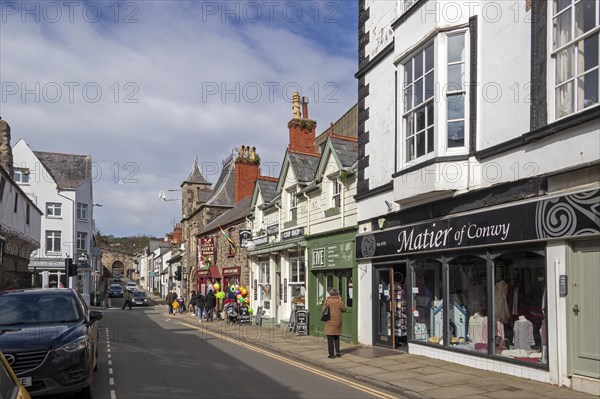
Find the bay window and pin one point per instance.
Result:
(435, 98)
(576, 26)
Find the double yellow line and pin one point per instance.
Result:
(324, 374)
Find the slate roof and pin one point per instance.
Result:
(224, 191)
(195, 176)
(68, 171)
(304, 165)
(238, 212)
(268, 189)
(204, 194)
(346, 150)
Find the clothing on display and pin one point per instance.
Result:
(501, 306)
(476, 324)
(523, 334)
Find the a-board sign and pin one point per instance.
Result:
(258, 317)
(301, 322)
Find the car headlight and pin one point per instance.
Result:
(73, 346)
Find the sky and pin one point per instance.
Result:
(145, 87)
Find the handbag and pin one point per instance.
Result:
(326, 314)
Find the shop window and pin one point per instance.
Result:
(428, 301)
(467, 321)
(520, 304)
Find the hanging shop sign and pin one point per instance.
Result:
(245, 238)
(293, 233)
(559, 217)
(260, 240)
(207, 246)
(273, 230)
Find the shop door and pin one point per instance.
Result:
(389, 312)
(583, 306)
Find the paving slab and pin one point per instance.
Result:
(363, 370)
(457, 391)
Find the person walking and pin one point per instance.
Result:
(211, 302)
(333, 326)
(127, 297)
(181, 301)
(200, 303)
(171, 297)
(193, 303)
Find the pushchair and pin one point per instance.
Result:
(231, 313)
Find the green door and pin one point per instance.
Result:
(582, 308)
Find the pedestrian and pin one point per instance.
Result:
(171, 296)
(200, 301)
(193, 303)
(333, 326)
(127, 297)
(181, 301)
(211, 302)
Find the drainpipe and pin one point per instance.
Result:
(308, 213)
(343, 203)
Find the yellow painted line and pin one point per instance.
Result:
(294, 363)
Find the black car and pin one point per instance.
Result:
(51, 337)
(139, 298)
(115, 291)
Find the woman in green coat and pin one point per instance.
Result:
(333, 327)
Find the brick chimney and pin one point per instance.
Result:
(302, 129)
(6, 157)
(247, 170)
(177, 234)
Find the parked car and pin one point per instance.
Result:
(115, 291)
(11, 386)
(139, 298)
(131, 286)
(116, 277)
(51, 336)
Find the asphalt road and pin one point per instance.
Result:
(145, 354)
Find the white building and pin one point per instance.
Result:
(479, 148)
(60, 185)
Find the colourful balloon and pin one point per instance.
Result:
(220, 295)
(237, 286)
(237, 292)
(238, 296)
(250, 311)
(244, 292)
(232, 288)
(217, 286)
(242, 299)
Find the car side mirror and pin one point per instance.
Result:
(95, 315)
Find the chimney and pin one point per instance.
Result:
(6, 157)
(177, 234)
(247, 170)
(302, 129)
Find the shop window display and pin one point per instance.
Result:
(467, 322)
(427, 300)
(520, 304)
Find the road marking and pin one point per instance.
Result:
(299, 365)
(109, 355)
(110, 370)
(113, 395)
(110, 362)
(111, 381)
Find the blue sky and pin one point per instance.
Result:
(146, 86)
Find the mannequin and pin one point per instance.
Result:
(523, 330)
(501, 307)
(476, 326)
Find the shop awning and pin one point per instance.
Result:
(214, 272)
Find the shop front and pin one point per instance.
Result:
(206, 277)
(231, 277)
(331, 264)
(490, 287)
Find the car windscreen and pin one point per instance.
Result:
(36, 309)
(115, 287)
(139, 295)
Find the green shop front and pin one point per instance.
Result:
(332, 264)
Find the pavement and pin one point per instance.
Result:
(402, 374)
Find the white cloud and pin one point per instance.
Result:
(162, 101)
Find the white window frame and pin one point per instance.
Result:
(440, 107)
(569, 46)
(82, 211)
(21, 175)
(55, 237)
(336, 192)
(51, 208)
(296, 261)
(264, 272)
(292, 205)
(82, 241)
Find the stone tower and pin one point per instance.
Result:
(6, 158)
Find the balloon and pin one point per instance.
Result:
(217, 286)
(250, 311)
(237, 286)
(232, 288)
(242, 299)
(237, 292)
(220, 294)
(244, 292)
(238, 296)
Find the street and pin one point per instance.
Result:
(146, 354)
